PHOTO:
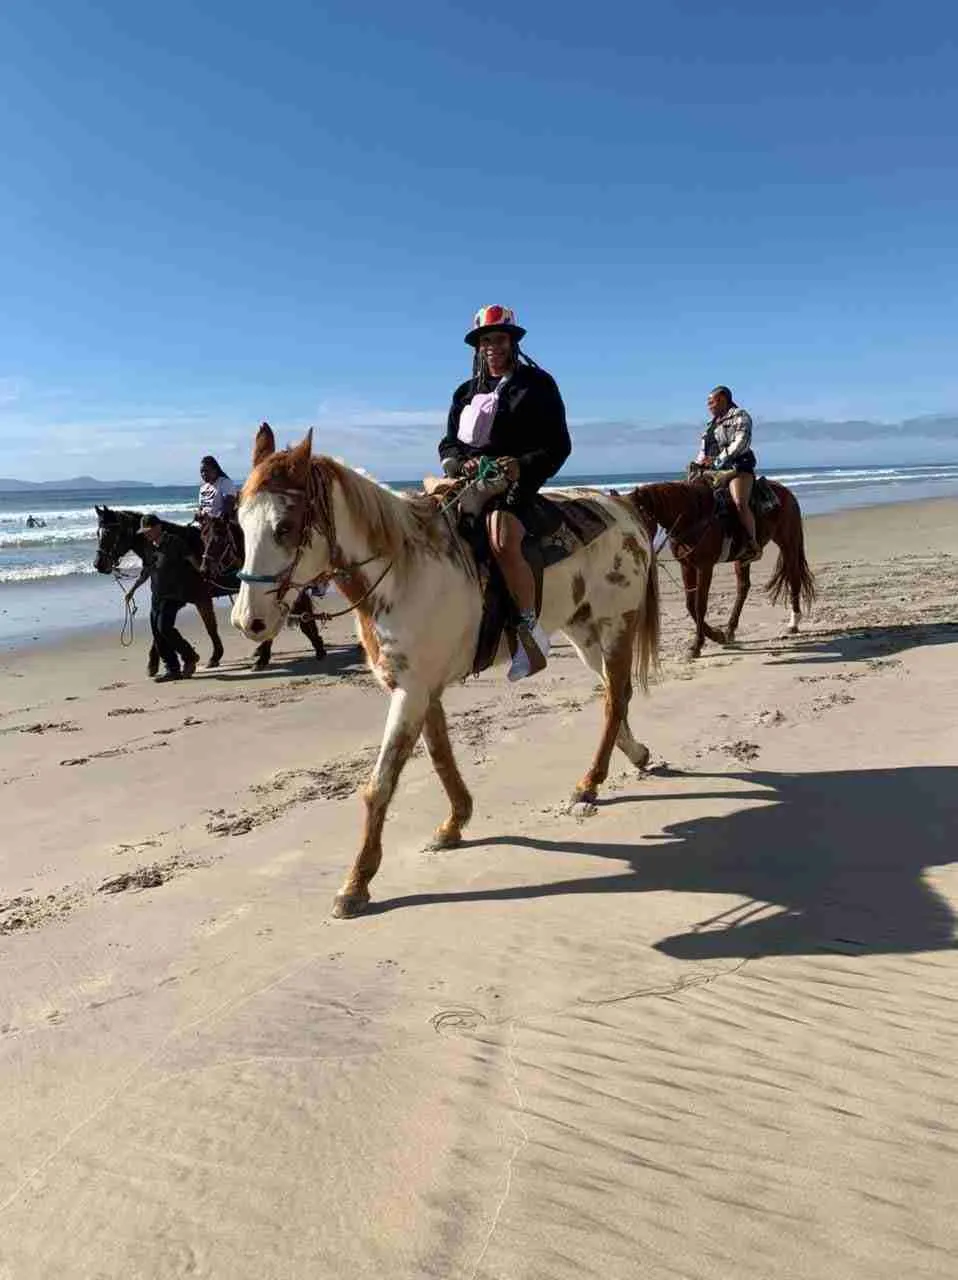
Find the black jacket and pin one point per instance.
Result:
(529, 425)
(172, 572)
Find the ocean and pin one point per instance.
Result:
(48, 583)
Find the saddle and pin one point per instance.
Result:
(763, 501)
(556, 528)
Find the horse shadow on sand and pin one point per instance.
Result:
(826, 862)
(343, 660)
(853, 644)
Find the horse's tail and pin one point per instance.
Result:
(793, 575)
(647, 632)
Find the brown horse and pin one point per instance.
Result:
(700, 540)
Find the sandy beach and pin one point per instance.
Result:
(707, 1029)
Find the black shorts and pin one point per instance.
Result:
(744, 465)
(539, 518)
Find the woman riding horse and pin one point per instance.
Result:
(727, 446)
(509, 410)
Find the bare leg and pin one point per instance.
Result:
(505, 534)
(436, 733)
(403, 726)
(740, 487)
(206, 611)
(743, 582)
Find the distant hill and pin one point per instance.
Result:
(76, 482)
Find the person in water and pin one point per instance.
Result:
(170, 566)
(510, 410)
(727, 446)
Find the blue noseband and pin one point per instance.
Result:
(258, 577)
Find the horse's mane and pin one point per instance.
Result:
(400, 527)
(131, 519)
(673, 500)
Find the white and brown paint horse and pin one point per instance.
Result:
(414, 586)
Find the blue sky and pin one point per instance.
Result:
(216, 213)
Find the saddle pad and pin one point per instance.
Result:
(566, 523)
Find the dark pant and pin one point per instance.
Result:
(169, 643)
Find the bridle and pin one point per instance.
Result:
(317, 514)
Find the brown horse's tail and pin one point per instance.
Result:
(647, 632)
(793, 575)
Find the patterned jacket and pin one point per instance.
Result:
(727, 438)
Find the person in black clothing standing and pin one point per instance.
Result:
(171, 564)
(509, 410)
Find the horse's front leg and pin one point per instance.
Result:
(448, 834)
(743, 583)
(403, 727)
(700, 604)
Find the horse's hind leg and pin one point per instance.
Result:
(206, 611)
(743, 582)
(403, 727)
(611, 658)
(435, 731)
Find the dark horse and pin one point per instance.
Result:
(118, 533)
(701, 535)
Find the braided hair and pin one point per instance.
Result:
(480, 370)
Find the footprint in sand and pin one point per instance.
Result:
(450, 1021)
(46, 726)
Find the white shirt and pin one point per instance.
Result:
(213, 493)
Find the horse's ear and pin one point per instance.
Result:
(301, 454)
(98, 509)
(264, 444)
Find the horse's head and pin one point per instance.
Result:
(114, 538)
(286, 517)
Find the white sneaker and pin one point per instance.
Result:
(532, 652)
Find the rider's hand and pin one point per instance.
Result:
(470, 467)
(509, 468)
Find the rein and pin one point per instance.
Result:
(318, 515)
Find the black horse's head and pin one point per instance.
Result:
(115, 536)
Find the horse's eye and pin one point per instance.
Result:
(283, 530)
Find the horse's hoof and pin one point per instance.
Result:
(442, 839)
(213, 663)
(642, 757)
(693, 653)
(260, 664)
(584, 795)
(152, 669)
(347, 905)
